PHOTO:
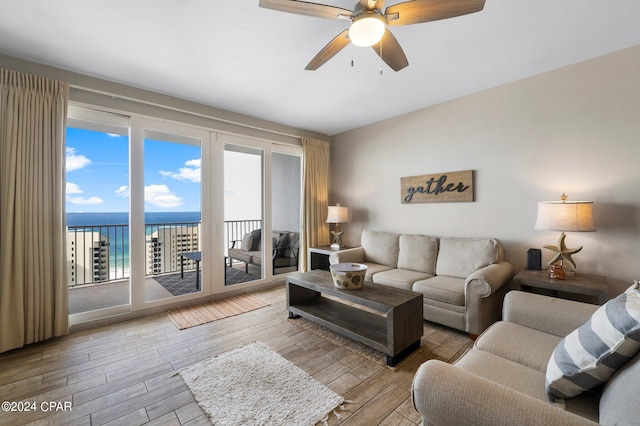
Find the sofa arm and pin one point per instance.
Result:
(548, 314)
(447, 395)
(489, 279)
(353, 255)
(484, 291)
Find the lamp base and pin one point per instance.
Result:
(562, 253)
(337, 240)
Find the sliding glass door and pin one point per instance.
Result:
(170, 219)
(262, 194)
(97, 168)
(160, 212)
(286, 189)
(172, 215)
(246, 241)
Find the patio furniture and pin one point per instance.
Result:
(249, 249)
(196, 256)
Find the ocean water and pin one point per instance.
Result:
(114, 226)
(122, 218)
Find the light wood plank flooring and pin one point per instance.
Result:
(123, 374)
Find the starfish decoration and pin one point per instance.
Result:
(336, 236)
(562, 252)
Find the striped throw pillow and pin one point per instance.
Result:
(589, 355)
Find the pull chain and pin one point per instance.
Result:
(381, 57)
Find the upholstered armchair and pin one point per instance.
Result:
(249, 249)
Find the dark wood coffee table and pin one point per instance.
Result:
(384, 318)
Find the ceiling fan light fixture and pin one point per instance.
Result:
(367, 29)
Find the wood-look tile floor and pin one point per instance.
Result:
(123, 374)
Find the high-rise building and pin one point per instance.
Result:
(165, 244)
(87, 257)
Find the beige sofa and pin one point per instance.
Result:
(463, 280)
(501, 380)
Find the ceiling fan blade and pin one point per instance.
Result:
(371, 4)
(329, 51)
(391, 52)
(306, 8)
(379, 4)
(417, 11)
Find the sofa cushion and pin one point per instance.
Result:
(520, 344)
(294, 243)
(256, 242)
(418, 253)
(256, 257)
(399, 278)
(589, 355)
(247, 242)
(380, 247)
(282, 245)
(444, 289)
(460, 257)
(373, 269)
(619, 401)
(505, 372)
(241, 255)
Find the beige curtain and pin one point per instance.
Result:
(33, 277)
(315, 231)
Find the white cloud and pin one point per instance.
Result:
(123, 191)
(72, 188)
(75, 161)
(161, 196)
(190, 173)
(85, 201)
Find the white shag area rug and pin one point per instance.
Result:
(253, 385)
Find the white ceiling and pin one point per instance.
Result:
(236, 56)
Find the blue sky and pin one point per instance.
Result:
(98, 174)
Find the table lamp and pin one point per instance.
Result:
(337, 214)
(564, 216)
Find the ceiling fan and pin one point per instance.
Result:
(369, 24)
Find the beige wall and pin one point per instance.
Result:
(573, 130)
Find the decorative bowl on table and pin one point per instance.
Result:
(348, 276)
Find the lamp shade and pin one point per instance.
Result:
(569, 216)
(367, 29)
(338, 214)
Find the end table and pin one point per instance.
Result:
(319, 256)
(582, 287)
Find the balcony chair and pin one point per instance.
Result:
(249, 250)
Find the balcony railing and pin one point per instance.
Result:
(100, 253)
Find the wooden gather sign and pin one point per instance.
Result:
(437, 188)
